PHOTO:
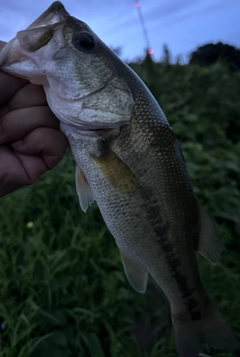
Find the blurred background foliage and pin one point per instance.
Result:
(63, 290)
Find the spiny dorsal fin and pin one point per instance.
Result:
(209, 245)
(137, 277)
(84, 191)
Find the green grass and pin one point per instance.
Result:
(63, 291)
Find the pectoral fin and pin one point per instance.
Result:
(137, 277)
(117, 172)
(209, 245)
(83, 190)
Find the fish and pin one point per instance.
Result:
(129, 161)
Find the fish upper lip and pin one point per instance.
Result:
(9, 56)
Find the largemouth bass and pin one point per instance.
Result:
(130, 162)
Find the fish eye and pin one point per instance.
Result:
(84, 41)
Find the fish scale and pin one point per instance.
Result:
(130, 162)
(127, 231)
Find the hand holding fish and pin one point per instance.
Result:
(30, 142)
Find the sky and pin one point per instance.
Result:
(182, 25)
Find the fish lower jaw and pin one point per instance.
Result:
(77, 124)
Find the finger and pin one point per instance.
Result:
(13, 172)
(50, 143)
(17, 124)
(9, 85)
(8, 166)
(28, 96)
(3, 110)
(33, 165)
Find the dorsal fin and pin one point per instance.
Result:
(209, 245)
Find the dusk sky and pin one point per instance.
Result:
(181, 24)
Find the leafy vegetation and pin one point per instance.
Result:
(63, 290)
(210, 53)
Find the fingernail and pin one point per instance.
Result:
(17, 144)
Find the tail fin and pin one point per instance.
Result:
(213, 329)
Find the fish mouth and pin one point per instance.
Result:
(35, 54)
(17, 56)
(21, 48)
(54, 14)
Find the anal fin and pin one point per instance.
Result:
(209, 245)
(137, 277)
(84, 191)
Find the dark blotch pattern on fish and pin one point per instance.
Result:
(173, 261)
(174, 265)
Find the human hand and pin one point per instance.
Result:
(30, 140)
